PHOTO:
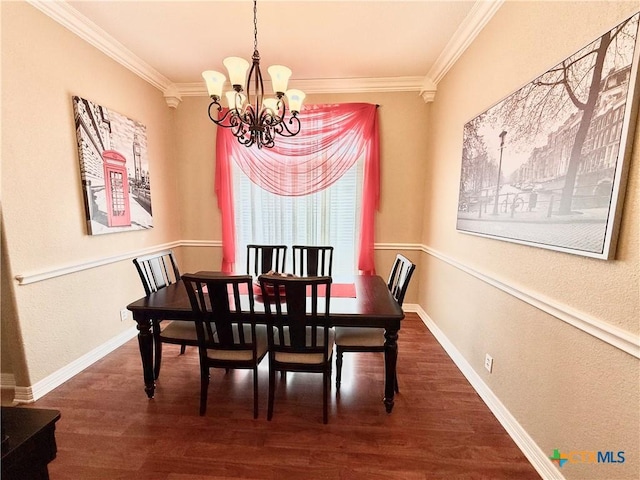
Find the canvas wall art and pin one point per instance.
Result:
(547, 165)
(114, 168)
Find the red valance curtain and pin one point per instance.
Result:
(331, 139)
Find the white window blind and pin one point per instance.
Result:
(327, 217)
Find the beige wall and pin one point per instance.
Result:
(59, 320)
(568, 389)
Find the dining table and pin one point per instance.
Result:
(371, 306)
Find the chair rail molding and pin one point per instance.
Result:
(58, 271)
(617, 337)
(614, 336)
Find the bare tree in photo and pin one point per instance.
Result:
(476, 166)
(573, 84)
(546, 165)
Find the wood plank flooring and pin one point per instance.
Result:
(439, 428)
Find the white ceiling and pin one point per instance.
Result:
(374, 45)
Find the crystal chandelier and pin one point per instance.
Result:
(252, 118)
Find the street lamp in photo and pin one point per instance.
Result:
(495, 204)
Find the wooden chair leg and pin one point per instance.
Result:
(255, 392)
(183, 348)
(272, 386)
(204, 388)
(396, 384)
(338, 367)
(325, 395)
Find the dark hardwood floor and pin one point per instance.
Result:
(439, 428)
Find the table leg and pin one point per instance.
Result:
(145, 342)
(390, 360)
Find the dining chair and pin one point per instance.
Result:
(228, 336)
(300, 337)
(264, 258)
(157, 271)
(356, 339)
(312, 261)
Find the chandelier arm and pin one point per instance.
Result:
(220, 121)
(268, 119)
(285, 131)
(247, 141)
(282, 108)
(267, 138)
(238, 128)
(249, 118)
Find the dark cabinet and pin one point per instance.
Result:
(28, 442)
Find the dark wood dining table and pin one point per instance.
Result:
(373, 306)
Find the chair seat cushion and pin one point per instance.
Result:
(359, 337)
(243, 355)
(305, 358)
(180, 331)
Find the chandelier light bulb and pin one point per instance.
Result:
(215, 82)
(271, 105)
(279, 78)
(237, 68)
(295, 99)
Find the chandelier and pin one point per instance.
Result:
(252, 118)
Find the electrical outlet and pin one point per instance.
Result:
(124, 314)
(488, 362)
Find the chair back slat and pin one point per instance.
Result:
(399, 277)
(157, 270)
(222, 319)
(264, 258)
(312, 261)
(297, 313)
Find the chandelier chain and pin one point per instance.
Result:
(255, 25)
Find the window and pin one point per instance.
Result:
(335, 140)
(328, 217)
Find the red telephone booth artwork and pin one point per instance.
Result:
(116, 189)
(114, 169)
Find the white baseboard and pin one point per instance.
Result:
(7, 389)
(34, 392)
(539, 460)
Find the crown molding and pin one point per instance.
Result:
(428, 90)
(74, 21)
(480, 14)
(332, 85)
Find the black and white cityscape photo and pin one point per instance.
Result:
(546, 165)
